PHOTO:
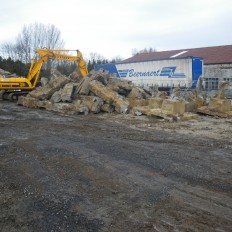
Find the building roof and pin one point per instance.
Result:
(211, 55)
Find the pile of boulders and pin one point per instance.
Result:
(100, 91)
(218, 105)
(97, 92)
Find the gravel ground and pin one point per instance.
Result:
(110, 172)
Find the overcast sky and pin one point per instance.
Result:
(116, 27)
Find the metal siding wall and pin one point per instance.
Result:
(182, 66)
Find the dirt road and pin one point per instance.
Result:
(113, 172)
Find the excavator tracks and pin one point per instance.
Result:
(12, 96)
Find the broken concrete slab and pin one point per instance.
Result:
(205, 110)
(145, 110)
(138, 93)
(27, 102)
(107, 108)
(100, 75)
(120, 85)
(155, 103)
(83, 88)
(44, 81)
(79, 108)
(220, 105)
(93, 103)
(194, 104)
(67, 92)
(109, 96)
(137, 102)
(76, 76)
(56, 97)
(34, 103)
(56, 82)
(189, 116)
(69, 108)
(173, 107)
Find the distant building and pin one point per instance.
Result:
(217, 62)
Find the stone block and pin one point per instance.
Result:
(189, 116)
(44, 105)
(190, 106)
(109, 96)
(116, 84)
(137, 93)
(173, 107)
(27, 102)
(44, 81)
(93, 103)
(141, 110)
(155, 103)
(219, 105)
(56, 97)
(107, 108)
(56, 82)
(137, 102)
(67, 92)
(84, 88)
(69, 108)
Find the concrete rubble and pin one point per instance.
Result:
(101, 92)
(4, 73)
(218, 105)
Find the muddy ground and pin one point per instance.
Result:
(111, 172)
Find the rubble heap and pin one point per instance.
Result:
(218, 105)
(101, 92)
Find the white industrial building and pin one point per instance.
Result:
(217, 62)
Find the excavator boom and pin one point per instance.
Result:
(29, 83)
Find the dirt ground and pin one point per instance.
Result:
(111, 172)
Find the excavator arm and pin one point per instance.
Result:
(29, 82)
(58, 55)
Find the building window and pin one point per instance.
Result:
(228, 79)
(211, 83)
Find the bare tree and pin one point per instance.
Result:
(116, 59)
(32, 37)
(144, 50)
(8, 50)
(93, 56)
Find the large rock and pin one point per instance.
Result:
(109, 96)
(137, 102)
(44, 81)
(93, 103)
(107, 108)
(56, 97)
(220, 105)
(56, 82)
(173, 107)
(3, 72)
(34, 103)
(155, 103)
(67, 92)
(69, 108)
(120, 85)
(138, 93)
(83, 89)
(194, 104)
(27, 102)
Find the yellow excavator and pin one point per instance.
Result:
(15, 86)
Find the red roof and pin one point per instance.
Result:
(211, 55)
